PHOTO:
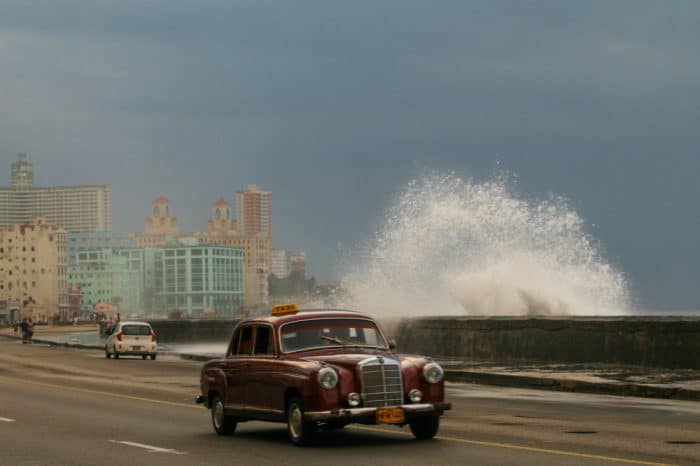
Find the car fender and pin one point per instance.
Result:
(214, 379)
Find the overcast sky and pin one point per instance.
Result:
(335, 106)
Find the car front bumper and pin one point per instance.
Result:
(369, 415)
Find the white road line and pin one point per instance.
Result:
(150, 448)
(5, 419)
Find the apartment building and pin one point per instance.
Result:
(80, 208)
(33, 269)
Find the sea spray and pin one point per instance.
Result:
(457, 246)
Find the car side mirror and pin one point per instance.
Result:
(392, 345)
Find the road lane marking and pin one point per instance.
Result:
(6, 419)
(510, 446)
(150, 448)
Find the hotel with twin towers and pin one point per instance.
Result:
(72, 208)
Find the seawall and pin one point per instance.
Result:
(189, 331)
(671, 342)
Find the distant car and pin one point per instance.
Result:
(131, 338)
(320, 370)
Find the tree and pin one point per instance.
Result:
(295, 284)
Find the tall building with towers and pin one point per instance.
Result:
(71, 208)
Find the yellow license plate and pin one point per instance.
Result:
(390, 415)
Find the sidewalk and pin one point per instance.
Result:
(682, 384)
(56, 335)
(54, 329)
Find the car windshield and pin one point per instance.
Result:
(136, 330)
(317, 333)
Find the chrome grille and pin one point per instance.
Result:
(381, 382)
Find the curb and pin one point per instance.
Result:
(569, 385)
(55, 343)
(195, 357)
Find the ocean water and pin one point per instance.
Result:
(455, 246)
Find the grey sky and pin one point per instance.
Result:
(334, 106)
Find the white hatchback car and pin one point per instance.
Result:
(131, 339)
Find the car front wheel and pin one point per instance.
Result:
(300, 432)
(425, 428)
(223, 424)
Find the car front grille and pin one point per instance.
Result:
(381, 382)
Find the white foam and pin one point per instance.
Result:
(456, 246)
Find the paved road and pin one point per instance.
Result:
(65, 406)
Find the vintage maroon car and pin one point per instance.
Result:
(320, 369)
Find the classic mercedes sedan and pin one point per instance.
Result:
(320, 369)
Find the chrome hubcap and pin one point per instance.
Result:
(295, 421)
(218, 414)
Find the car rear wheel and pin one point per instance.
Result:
(425, 428)
(115, 354)
(300, 432)
(223, 424)
(107, 355)
(153, 357)
(144, 356)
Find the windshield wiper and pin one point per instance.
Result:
(333, 339)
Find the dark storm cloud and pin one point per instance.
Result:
(334, 106)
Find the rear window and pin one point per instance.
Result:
(136, 330)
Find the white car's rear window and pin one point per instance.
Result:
(136, 330)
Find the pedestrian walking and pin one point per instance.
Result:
(30, 330)
(24, 327)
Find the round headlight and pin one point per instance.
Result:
(354, 399)
(433, 373)
(327, 378)
(415, 395)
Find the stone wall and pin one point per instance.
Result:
(672, 342)
(189, 331)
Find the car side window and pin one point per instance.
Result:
(263, 340)
(234, 342)
(245, 345)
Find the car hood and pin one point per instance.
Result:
(350, 360)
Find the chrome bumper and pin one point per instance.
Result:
(369, 415)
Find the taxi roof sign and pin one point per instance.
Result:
(284, 310)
